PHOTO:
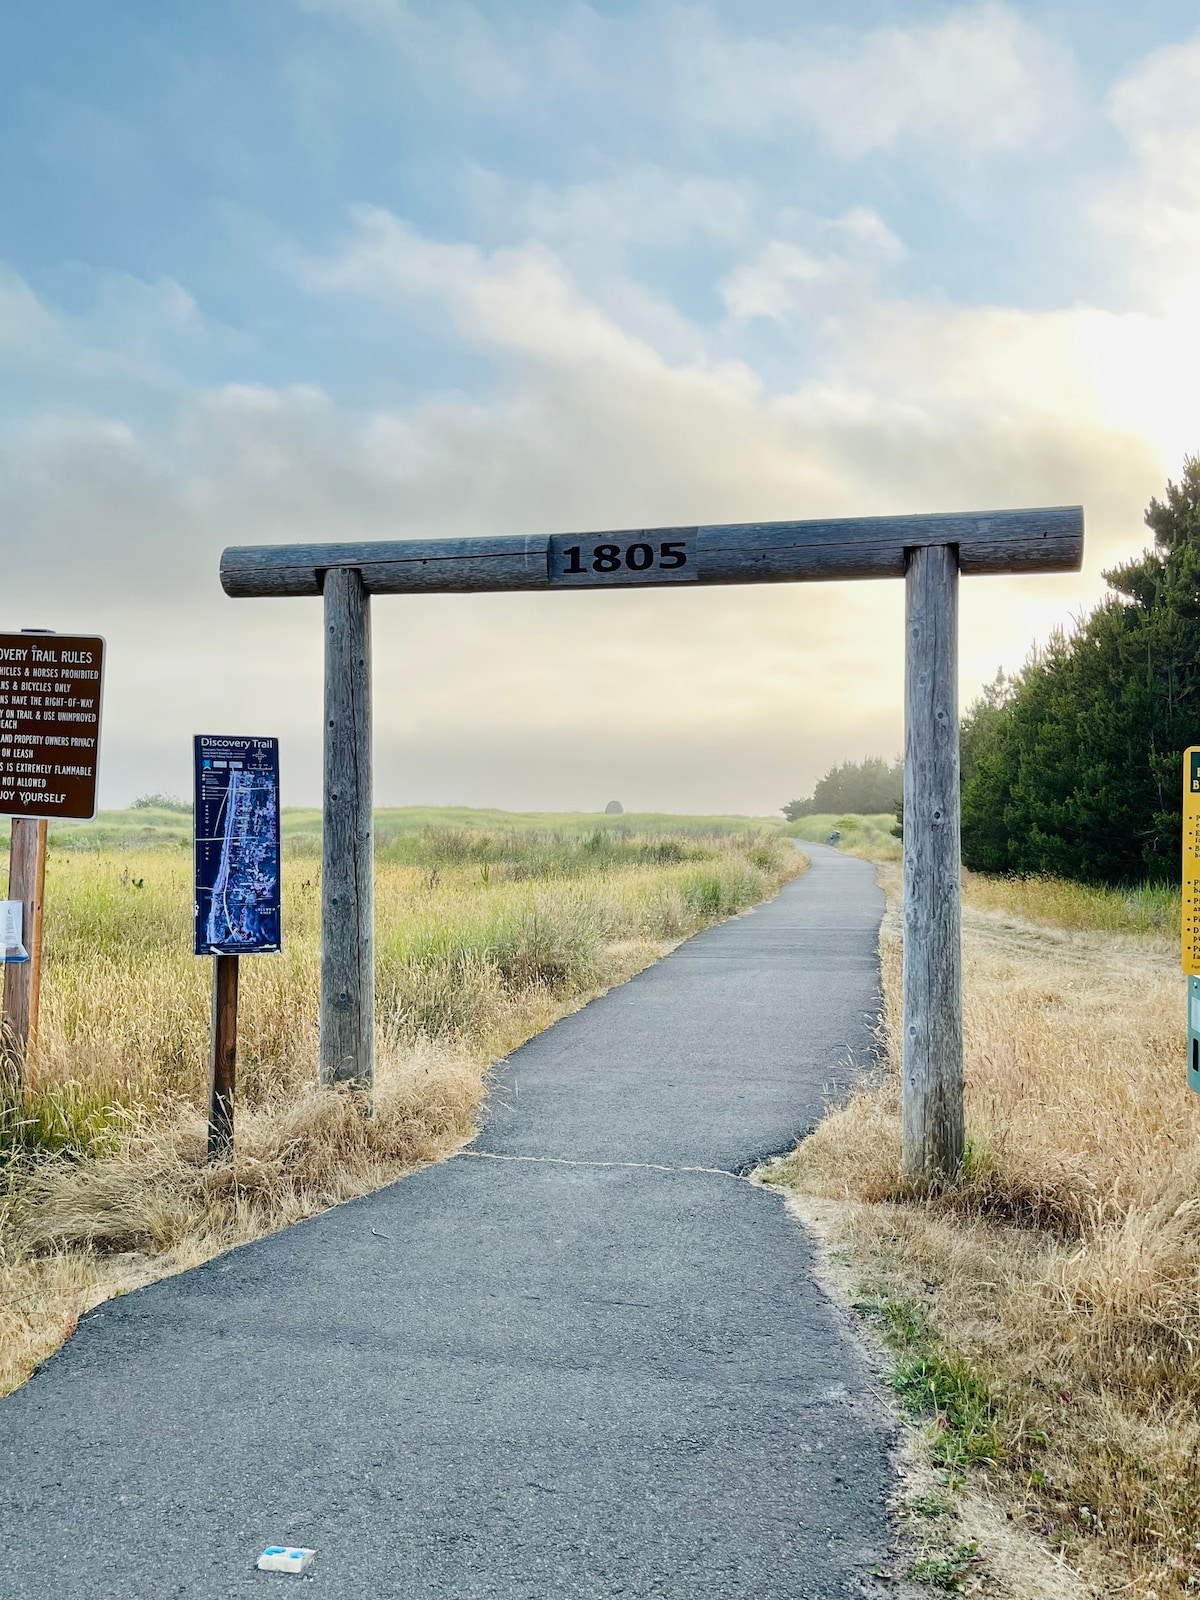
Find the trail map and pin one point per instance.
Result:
(237, 845)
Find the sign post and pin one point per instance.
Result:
(933, 1130)
(929, 552)
(237, 906)
(23, 972)
(347, 842)
(1191, 906)
(50, 694)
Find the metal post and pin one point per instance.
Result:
(223, 1058)
(23, 980)
(347, 850)
(933, 1064)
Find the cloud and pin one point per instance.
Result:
(451, 38)
(128, 340)
(977, 80)
(842, 265)
(520, 299)
(918, 384)
(647, 206)
(982, 79)
(1151, 211)
(25, 323)
(608, 231)
(710, 699)
(657, 339)
(603, 405)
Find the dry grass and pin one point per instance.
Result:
(103, 1182)
(74, 1233)
(1062, 1273)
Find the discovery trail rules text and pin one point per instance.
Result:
(50, 686)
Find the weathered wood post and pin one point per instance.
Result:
(223, 1057)
(347, 847)
(933, 1064)
(23, 980)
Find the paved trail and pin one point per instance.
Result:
(585, 1359)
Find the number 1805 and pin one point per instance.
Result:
(625, 561)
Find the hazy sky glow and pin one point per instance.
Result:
(323, 269)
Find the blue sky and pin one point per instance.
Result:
(360, 268)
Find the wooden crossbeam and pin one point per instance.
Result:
(1045, 540)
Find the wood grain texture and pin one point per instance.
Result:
(1045, 540)
(23, 979)
(933, 1066)
(222, 1059)
(347, 848)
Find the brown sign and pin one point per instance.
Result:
(49, 724)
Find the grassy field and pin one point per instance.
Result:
(1043, 1313)
(485, 935)
(170, 827)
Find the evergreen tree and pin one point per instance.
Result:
(862, 787)
(1073, 766)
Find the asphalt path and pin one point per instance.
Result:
(585, 1358)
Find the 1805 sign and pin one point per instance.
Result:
(659, 555)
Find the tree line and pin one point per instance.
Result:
(1072, 766)
(863, 787)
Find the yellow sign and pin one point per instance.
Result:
(1191, 861)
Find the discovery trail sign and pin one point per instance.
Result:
(237, 845)
(928, 552)
(237, 912)
(51, 688)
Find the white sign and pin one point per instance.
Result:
(10, 931)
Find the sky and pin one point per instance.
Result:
(280, 270)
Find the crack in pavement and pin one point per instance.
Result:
(566, 1161)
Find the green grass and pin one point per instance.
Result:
(146, 828)
(71, 1119)
(414, 833)
(154, 827)
(931, 1506)
(1055, 903)
(936, 1385)
(861, 835)
(946, 1571)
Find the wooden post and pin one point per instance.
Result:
(347, 848)
(23, 979)
(223, 1058)
(933, 1066)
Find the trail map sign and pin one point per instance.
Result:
(50, 690)
(236, 813)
